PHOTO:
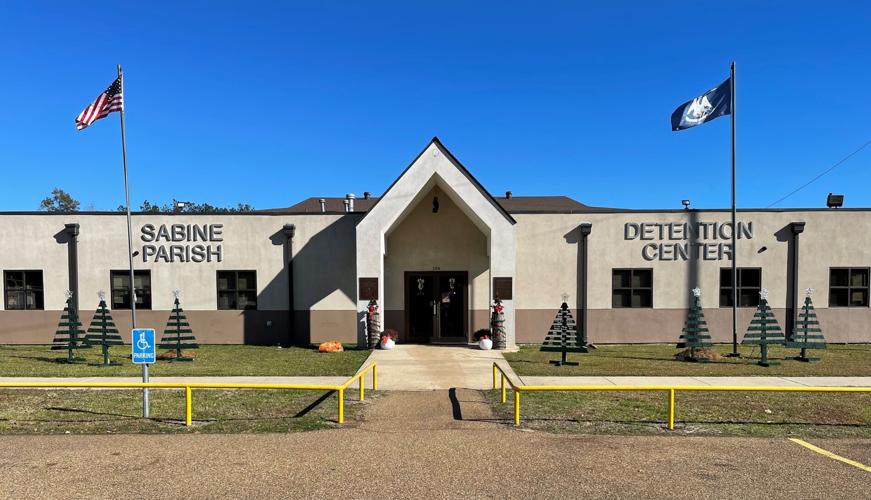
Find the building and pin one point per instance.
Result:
(434, 250)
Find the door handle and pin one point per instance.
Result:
(434, 308)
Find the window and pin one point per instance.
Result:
(749, 286)
(23, 290)
(632, 288)
(848, 287)
(121, 289)
(237, 290)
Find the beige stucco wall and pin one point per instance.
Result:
(435, 167)
(325, 270)
(323, 266)
(547, 266)
(427, 241)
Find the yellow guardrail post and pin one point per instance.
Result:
(516, 407)
(374, 376)
(188, 406)
(671, 409)
(341, 406)
(504, 396)
(362, 388)
(494, 377)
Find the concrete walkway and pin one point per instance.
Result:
(192, 380)
(710, 381)
(410, 367)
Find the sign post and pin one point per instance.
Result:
(144, 353)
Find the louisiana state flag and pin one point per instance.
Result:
(712, 104)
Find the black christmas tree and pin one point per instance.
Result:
(69, 335)
(763, 330)
(695, 331)
(178, 334)
(103, 332)
(563, 335)
(807, 334)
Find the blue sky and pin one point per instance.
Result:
(271, 102)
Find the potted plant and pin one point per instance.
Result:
(482, 337)
(388, 339)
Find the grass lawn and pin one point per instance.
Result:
(717, 414)
(118, 411)
(657, 360)
(40, 361)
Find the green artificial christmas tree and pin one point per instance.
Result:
(103, 332)
(563, 335)
(178, 334)
(69, 335)
(763, 330)
(807, 334)
(695, 331)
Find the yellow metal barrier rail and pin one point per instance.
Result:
(669, 389)
(360, 376)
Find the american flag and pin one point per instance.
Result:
(110, 100)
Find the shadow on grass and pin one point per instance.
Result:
(305, 411)
(684, 423)
(41, 358)
(173, 421)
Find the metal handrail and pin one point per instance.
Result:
(189, 386)
(671, 389)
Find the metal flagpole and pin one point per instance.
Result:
(145, 405)
(734, 353)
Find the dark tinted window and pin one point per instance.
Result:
(632, 288)
(749, 286)
(23, 290)
(237, 290)
(121, 289)
(848, 287)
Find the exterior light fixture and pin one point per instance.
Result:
(835, 200)
(686, 204)
(178, 206)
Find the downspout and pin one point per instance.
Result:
(289, 230)
(72, 231)
(585, 229)
(792, 312)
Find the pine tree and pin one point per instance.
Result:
(807, 334)
(103, 332)
(695, 331)
(178, 334)
(69, 335)
(563, 336)
(763, 330)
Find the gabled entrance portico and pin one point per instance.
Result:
(427, 226)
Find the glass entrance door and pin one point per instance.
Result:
(436, 305)
(419, 307)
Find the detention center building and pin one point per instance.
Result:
(434, 250)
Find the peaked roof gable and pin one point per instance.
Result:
(459, 166)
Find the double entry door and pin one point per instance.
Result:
(436, 306)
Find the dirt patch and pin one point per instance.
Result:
(701, 353)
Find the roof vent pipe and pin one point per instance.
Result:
(323, 204)
(345, 201)
(507, 195)
(349, 202)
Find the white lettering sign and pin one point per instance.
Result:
(182, 243)
(694, 240)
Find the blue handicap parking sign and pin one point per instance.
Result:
(144, 349)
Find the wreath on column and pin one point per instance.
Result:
(497, 325)
(373, 324)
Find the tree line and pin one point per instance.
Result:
(62, 202)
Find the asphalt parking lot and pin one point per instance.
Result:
(412, 445)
